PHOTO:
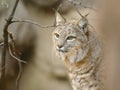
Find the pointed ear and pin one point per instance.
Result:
(59, 19)
(83, 24)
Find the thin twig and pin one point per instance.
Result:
(14, 57)
(13, 11)
(31, 22)
(2, 43)
(14, 51)
(13, 54)
(19, 75)
(59, 7)
(78, 11)
(19, 62)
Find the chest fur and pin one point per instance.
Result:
(83, 75)
(85, 81)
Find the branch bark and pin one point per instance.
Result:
(5, 45)
(32, 22)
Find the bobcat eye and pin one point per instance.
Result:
(57, 35)
(71, 37)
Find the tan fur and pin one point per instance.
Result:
(81, 52)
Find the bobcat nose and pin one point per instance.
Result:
(59, 46)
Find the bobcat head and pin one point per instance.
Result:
(70, 38)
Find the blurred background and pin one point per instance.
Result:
(44, 70)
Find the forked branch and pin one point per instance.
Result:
(5, 46)
(5, 43)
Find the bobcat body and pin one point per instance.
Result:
(81, 51)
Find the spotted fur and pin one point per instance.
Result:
(81, 52)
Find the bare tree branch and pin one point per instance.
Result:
(14, 57)
(13, 53)
(31, 22)
(5, 46)
(2, 43)
(5, 35)
(19, 75)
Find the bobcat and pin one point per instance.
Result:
(81, 51)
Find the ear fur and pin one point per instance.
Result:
(83, 23)
(59, 19)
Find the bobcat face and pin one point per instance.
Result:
(66, 38)
(70, 39)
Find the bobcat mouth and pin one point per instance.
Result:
(61, 50)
